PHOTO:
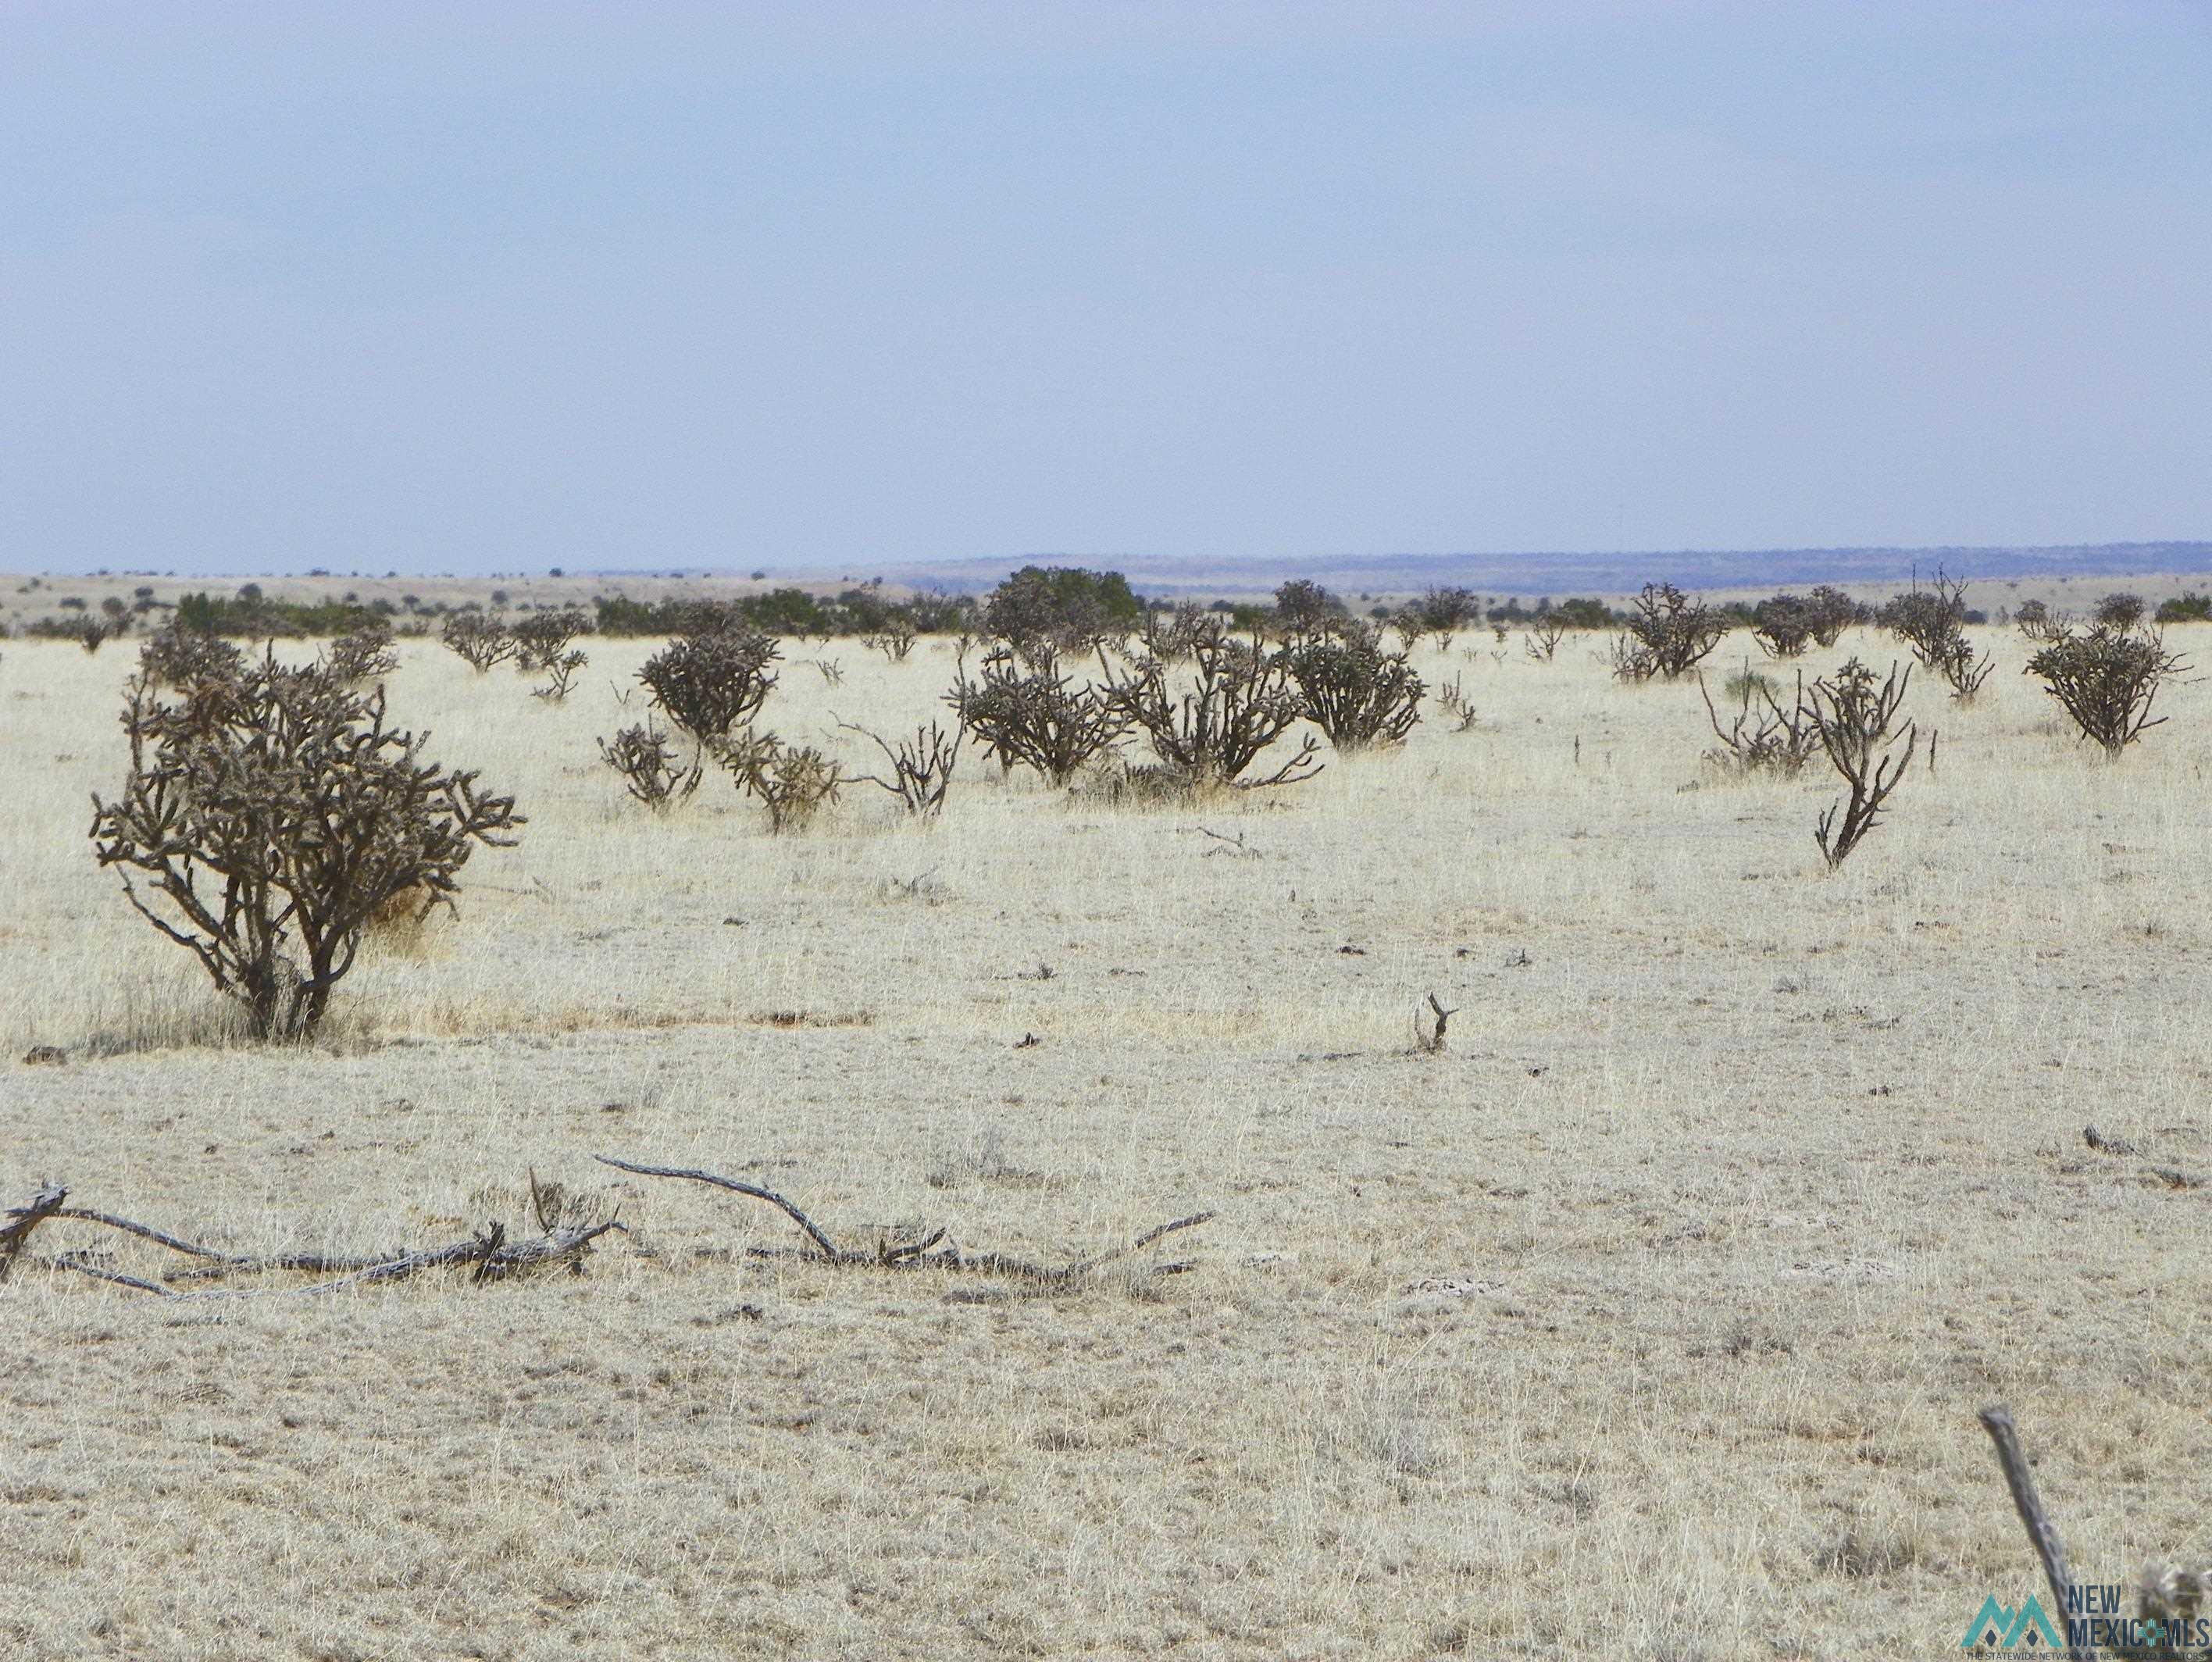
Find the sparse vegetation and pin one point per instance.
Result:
(1669, 635)
(921, 767)
(1830, 611)
(543, 647)
(545, 641)
(1444, 612)
(1306, 609)
(2188, 607)
(1740, 1077)
(713, 682)
(649, 766)
(1543, 638)
(1855, 720)
(1240, 701)
(1932, 622)
(1763, 736)
(1453, 700)
(894, 638)
(2107, 679)
(1042, 717)
(1045, 613)
(176, 657)
(2120, 611)
(274, 813)
(87, 632)
(2035, 620)
(794, 782)
(560, 675)
(480, 641)
(1784, 625)
(1171, 634)
(364, 655)
(1355, 692)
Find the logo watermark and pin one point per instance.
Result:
(2008, 1630)
(2095, 1618)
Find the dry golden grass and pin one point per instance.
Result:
(1650, 1320)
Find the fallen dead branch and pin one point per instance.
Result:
(827, 1246)
(44, 1205)
(1234, 847)
(918, 1254)
(76, 1261)
(495, 1257)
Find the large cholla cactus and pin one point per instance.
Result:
(1038, 716)
(481, 641)
(276, 816)
(1237, 701)
(713, 681)
(1360, 695)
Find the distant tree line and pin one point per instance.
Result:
(1066, 606)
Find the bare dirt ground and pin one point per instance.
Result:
(1650, 1320)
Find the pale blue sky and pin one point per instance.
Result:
(478, 287)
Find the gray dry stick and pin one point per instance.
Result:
(44, 1205)
(1996, 1420)
(952, 1257)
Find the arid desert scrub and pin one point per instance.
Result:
(1649, 1316)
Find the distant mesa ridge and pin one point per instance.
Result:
(1557, 574)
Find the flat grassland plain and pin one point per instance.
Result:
(1650, 1319)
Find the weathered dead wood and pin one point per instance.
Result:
(221, 1263)
(495, 1259)
(1233, 846)
(495, 1237)
(913, 1249)
(494, 1255)
(76, 1261)
(2042, 1535)
(828, 1247)
(2172, 1176)
(545, 1201)
(917, 1255)
(44, 1205)
(146, 1232)
(1431, 1040)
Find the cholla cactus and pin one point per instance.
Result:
(1360, 695)
(794, 783)
(650, 769)
(713, 682)
(2107, 679)
(1239, 702)
(276, 816)
(362, 655)
(480, 641)
(2177, 1600)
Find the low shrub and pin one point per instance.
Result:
(1238, 701)
(1668, 635)
(649, 766)
(1040, 717)
(2106, 680)
(1358, 695)
(277, 815)
(713, 682)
